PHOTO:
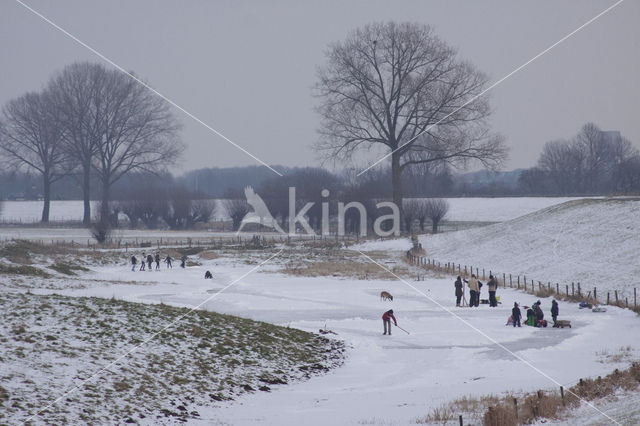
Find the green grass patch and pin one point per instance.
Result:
(23, 270)
(67, 268)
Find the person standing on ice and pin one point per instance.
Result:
(149, 261)
(474, 291)
(459, 290)
(134, 261)
(142, 264)
(493, 286)
(157, 261)
(554, 310)
(386, 321)
(168, 260)
(516, 314)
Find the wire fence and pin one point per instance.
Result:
(575, 291)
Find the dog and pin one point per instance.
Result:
(562, 324)
(385, 295)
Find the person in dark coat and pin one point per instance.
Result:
(516, 314)
(168, 260)
(149, 261)
(537, 312)
(554, 310)
(493, 286)
(157, 261)
(386, 321)
(183, 261)
(134, 261)
(207, 275)
(459, 289)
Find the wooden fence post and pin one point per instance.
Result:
(573, 289)
(616, 293)
(562, 394)
(460, 419)
(557, 288)
(567, 290)
(515, 405)
(607, 298)
(635, 304)
(579, 292)
(595, 293)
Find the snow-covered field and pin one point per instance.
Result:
(386, 379)
(461, 209)
(594, 242)
(450, 352)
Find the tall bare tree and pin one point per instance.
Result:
(136, 131)
(75, 91)
(387, 85)
(31, 136)
(114, 126)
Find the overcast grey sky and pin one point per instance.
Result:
(247, 67)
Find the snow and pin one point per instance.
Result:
(461, 209)
(392, 379)
(593, 242)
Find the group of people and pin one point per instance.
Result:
(535, 316)
(147, 261)
(474, 290)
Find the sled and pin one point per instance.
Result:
(599, 309)
(562, 324)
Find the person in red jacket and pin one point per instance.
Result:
(386, 321)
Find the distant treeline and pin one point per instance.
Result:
(594, 162)
(230, 182)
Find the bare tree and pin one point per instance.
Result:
(237, 209)
(626, 176)
(563, 161)
(31, 137)
(411, 212)
(436, 209)
(114, 124)
(387, 85)
(75, 92)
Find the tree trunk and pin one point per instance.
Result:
(86, 194)
(46, 189)
(396, 181)
(104, 205)
(434, 227)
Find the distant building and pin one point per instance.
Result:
(610, 135)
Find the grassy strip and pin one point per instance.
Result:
(50, 343)
(512, 410)
(23, 270)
